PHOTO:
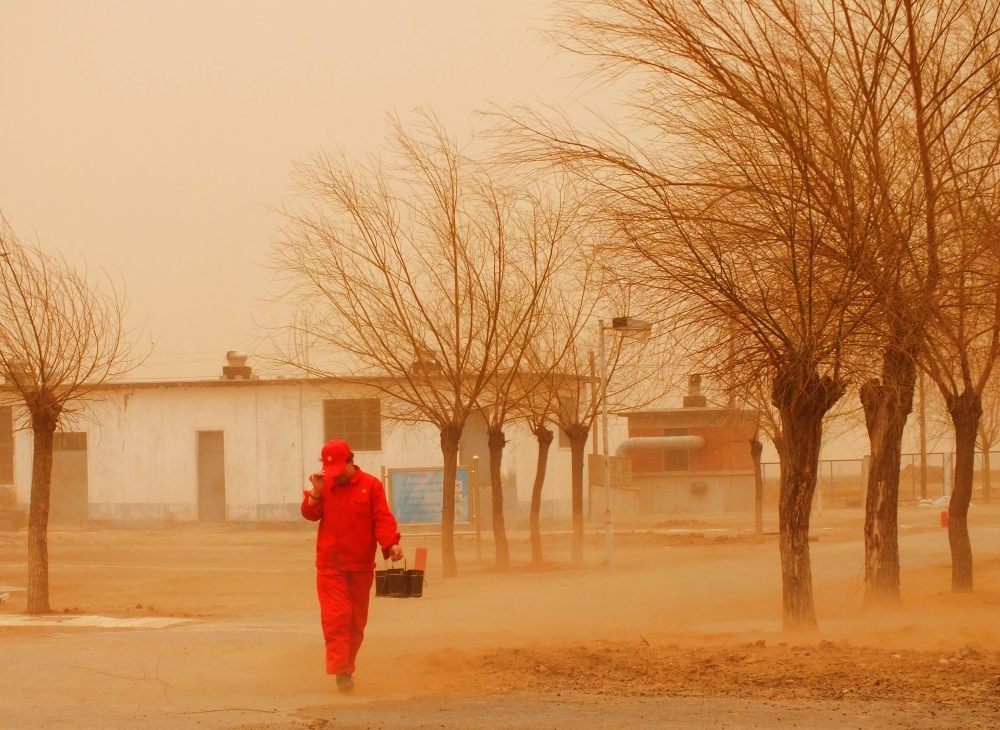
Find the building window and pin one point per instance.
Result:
(358, 421)
(69, 441)
(6, 445)
(675, 460)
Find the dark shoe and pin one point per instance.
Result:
(345, 683)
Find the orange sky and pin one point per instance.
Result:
(150, 138)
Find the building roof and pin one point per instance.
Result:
(226, 383)
(667, 417)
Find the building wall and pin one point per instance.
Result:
(697, 492)
(727, 448)
(557, 492)
(22, 456)
(143, 457)
(719, 477)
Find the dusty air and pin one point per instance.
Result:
(530, 364)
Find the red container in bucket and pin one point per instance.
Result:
(416, 575)
(420, 561)
(944, 518)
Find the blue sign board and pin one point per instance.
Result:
(415, 496)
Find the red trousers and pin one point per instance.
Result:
(343, 607)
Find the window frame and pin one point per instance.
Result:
(362, 439)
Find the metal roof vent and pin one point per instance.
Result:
(694, 398)
(236, 367)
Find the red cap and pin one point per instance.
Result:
(335, 455)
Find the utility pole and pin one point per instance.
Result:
(627, 327)
(609, 535)
(593, 398)
(923, 441)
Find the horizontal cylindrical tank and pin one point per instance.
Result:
(665, 443)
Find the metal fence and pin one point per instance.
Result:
(841, 482)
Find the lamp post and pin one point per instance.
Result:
(629, 327)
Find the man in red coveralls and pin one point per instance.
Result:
(353, 516)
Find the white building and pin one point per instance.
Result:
(241, 450)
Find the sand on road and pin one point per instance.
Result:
(670, 637)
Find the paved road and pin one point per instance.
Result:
(265, 671)
(519, 713)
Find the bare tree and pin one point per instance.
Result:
(940, 146)
(541, 228)
(537, 412)
(578, 404)
(60, 339)
(963, 346)
(553, 379)
(402, 271)
(931, 81)
(734, 204)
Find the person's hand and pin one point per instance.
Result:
(396, 553)
(317, 485)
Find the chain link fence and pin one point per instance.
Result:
(841, 482)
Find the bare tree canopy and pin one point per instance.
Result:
(554, 224)
(421, 272)
(740, 201)
(559, 371)
(932, 129)
(793, 169)
(60, 339)
(963, 343)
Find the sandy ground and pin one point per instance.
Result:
(684, 632)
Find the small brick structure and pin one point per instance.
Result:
(715, 477)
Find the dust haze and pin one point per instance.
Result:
(684, 630)
(697, 306)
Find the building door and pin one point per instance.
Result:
(211, 476)
(68, 501)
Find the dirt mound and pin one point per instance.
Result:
(823, 671)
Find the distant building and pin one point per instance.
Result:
(240, 449)
(691, 459)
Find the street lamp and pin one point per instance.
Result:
(636, 329)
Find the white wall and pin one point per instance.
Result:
(557, 491)
(22, 456)
(142, 450)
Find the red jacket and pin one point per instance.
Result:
(353, 517)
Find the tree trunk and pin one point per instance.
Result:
(577, 434)
(497, 440)
(756, 449)
(887, 404)
(450, 436)
(986, 468)
(965, 411)
(802, 398)
(544, 436)
(42, 427)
